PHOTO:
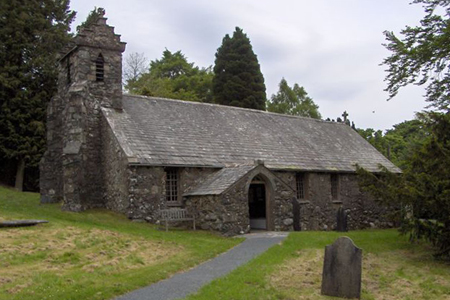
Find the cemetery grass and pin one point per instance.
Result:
(393, 269)
(92, 255)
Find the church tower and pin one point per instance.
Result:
(90, 77)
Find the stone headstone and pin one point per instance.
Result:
(341, 220)
(342, 265)
(296, 208)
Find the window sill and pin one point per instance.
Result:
(304, 202)
(178, 204)
(337, 202)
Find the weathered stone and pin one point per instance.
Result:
(90, 163)
(288, 222)
(342, 265)
(341, 220)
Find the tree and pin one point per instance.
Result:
(399, 143)
(173, 76)
(135, 66)
(293, 101)
(423, 190)
(31, 35)
(422, 55)
(238, 80)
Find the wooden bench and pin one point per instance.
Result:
(175, 215)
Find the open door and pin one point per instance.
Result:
(257, 205)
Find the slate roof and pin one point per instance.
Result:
(164, 132)
(217, 183)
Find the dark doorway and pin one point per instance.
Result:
(257, 206)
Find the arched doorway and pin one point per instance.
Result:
(257, 204)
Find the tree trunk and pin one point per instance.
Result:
(20, 174)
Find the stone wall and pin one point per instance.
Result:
(319, 212)
(72, 166)
(50, 167)
(115, 170)
(228, 213)
(146, 192)
(147, 189)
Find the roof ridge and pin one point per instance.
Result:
(232, 107)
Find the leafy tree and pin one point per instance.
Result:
(398, 143)
(422, 55)
(293, 101)
(173, 76)
(31, 35)
(423, 190)
(238, 80)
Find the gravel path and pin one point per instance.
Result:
(183, 284)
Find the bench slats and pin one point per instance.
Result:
(175, 214)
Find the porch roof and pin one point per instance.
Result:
(220, 181)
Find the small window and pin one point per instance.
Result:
(334, 178)
(99, 68)
(172, 186)
(301, 182)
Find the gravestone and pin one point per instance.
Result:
(342, 265)
(341, 220)
(296, 208)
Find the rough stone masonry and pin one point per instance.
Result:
(231, 167)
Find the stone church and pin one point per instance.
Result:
(235, 169)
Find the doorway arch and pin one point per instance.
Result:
(260, 191)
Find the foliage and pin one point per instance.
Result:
(392, 269)
(293, 101)
(423, 190)
(92, 18)
(31, 34)
(173, 76)
(421, 55)
(238, 80)
(346, 120)
(397, 143)
(96, 254)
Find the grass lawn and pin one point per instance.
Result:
(393, 269)
(90, 255)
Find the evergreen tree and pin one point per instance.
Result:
(31, 35)
(293, 101)
(422, 55)
(423, 190)
(238, 80)
(174, 77)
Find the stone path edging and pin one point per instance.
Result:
(182, 284)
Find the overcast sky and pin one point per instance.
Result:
(333, 48)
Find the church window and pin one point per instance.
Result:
(172, 181)
(99, 68)
(301, 184)
(334, 178)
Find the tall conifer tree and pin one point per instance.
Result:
(238, 80)
(31, 34)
